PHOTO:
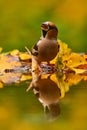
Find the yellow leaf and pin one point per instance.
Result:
(0, 49)
(73, 60)
(79, 71)
(85, 56)
(63, 50)
(1, 85)
(24, 56)
(14, 52)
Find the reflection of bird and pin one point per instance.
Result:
(48, 94)
(47, 47)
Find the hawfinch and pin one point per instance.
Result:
(47, 47)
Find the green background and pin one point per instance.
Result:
(20, 22)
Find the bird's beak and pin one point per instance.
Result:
(44, 27)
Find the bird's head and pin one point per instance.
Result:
(49, 30)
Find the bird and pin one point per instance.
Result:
(47, 47)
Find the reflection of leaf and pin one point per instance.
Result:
(25, 77)
(8, 78)
(65, 81)
(72, 78)
(62, 85)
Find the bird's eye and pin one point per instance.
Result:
(52, 27)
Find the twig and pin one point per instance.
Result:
(28, 50)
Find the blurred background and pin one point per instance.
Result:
(20, 22)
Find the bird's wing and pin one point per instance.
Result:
(35, 50)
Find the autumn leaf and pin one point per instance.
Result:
(1, 85)
(13, 67)
(19, 63)
(0, 49)
(68, 59)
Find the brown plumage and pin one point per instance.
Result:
(47, 47)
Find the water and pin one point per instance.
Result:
(45, 106)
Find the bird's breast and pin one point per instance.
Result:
(47, 49)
